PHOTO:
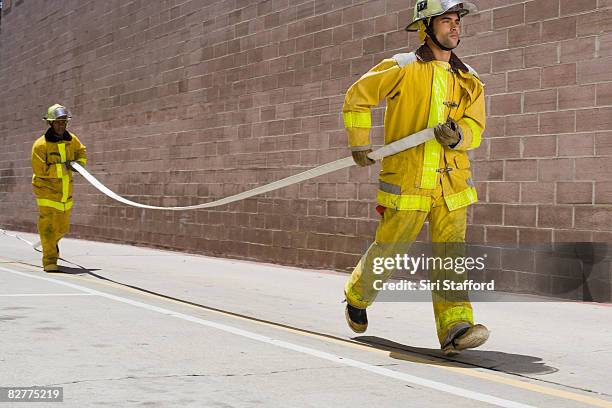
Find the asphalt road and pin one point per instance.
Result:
(244, 334)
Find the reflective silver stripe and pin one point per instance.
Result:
(473, 72)
(389, 188)
(360, 148)
(405, 59)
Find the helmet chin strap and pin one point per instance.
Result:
(432, 35)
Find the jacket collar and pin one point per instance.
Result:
(50, 136)
(425, 54)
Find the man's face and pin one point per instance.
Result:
(59, 125)
(447, 29)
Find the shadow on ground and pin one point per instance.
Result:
(493, 360)
(66, 270)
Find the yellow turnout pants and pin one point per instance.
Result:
(397, 230)
(52, 226)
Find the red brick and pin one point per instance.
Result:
(555, 169)
(480, 63)
(357, 209)
(503, 192)
(505, 104)
(481, 189)
(540, 101)
(520, 215)
(518, 260)
(496, 127)
(323, 38)
(594, 218)
(374, 44)
(595, 22)
(534, 236)
(488, 170)
(595, 70)
(593, 168)
(493, 41)
(578, 49)
(550, 216)
(580, 96)
(524, 79)
(501, 235)
(482, 152)
(603, 192)
(508, 16)
(594, 119)
(520, 125)
(574, 193)
(507, 60)
(520, 170)
(541, 55)
(559, 75)
(374, 8)
(576, 145)
(342, 34)
(560, 235)
(526, 35)
(352, 14)
(557, 122)
(495, 83)
(574, 7)
(363, 29)
(604, 94)
(603, 144)
(488, 214)
(504, 148)
(385, 23)
(475, 234)
(538, 193)
(478, 23)
(396, 40)
(539, 146)
(605, 45)
(602, 236)
(541, 10)
(559, 29)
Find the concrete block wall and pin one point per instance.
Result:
(181, 102)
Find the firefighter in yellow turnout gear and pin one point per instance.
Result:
(52, 181)
(428, 88)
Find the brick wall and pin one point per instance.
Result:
(181, 102)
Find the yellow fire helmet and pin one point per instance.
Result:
(57, 111)
(425, 9)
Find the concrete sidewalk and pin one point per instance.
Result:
(106, 351)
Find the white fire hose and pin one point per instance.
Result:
(388, 150)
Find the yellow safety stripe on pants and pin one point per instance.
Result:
(65, 177)
(461, 199)
(357, 119)
(404, 202)
(476, 134)
(65, 187)
(43, 202)
(454, 315)
(433, 150)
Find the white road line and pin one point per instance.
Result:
(44, 294)
(439, 386)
